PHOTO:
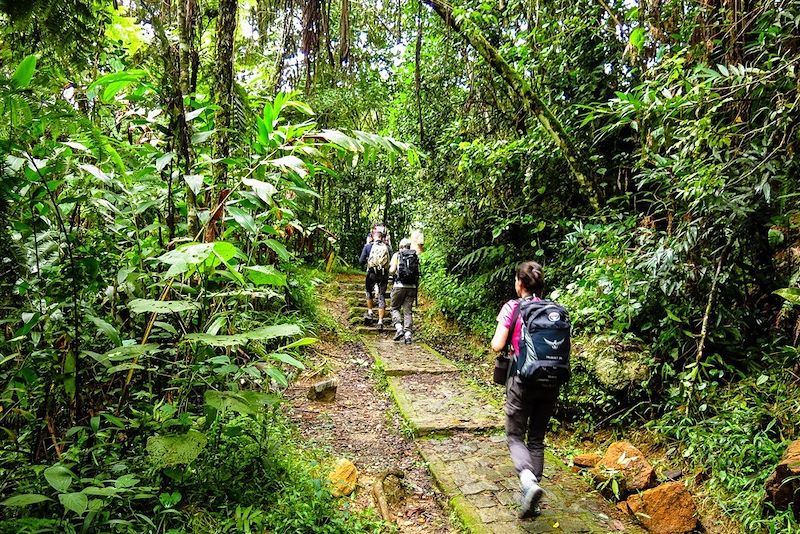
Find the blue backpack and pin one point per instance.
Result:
(544, 345)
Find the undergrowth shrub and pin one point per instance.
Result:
(251, 476)
(734, 434)
(468, 300)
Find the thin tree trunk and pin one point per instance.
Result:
(531, 102)
(344, 33)
(223, 95)
(286, 40)
(417, 74)
(186, 17)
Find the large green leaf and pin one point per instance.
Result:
(792, 294)
(285, 358)
(25, 499)
(264, 190)
(301, 342)
(243, 402)
(118, 354)
(24, 73)
(191, 256)
(262, 275)
(75, 502)
(218, 340)
(292, 163)
(59, 477)
(106, 328)
(259, 334)
(161, 306)
(165, 451)
(243, 219)
(341, 140)
(279, 248)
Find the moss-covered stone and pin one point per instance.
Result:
(614, 366)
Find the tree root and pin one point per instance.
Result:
(379, 495)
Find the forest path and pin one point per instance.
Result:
(460, 435)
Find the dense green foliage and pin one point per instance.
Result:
(145, 260)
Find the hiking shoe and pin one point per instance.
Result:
(380, 325)
(531, 496)
(399, 334)
(407, 339)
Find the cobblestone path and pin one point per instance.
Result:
(460, 436)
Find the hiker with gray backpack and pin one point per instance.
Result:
(404, 268)
(538, 332)
(376, 256)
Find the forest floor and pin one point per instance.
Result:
(412, 409)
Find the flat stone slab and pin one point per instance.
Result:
(476, 474)
(442, 403)
(399, 359)
(359, 301)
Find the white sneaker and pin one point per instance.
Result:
(531, 495)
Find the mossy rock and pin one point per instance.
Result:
(616, 367)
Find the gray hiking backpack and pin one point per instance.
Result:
(544, 346)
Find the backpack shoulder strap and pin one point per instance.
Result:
(513, 326)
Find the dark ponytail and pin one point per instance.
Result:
(530, 274)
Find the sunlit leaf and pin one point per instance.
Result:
(243, 219)
(74, 502)
(194, 181)
(165, 451)
(278, 247)
(201, 137)
(260, 334)
(24, 73)
(264, 190)
(25, 499)
(292, 163)
(161, 306)
(285, 358)
(265, 275)
(164, 160)
(791, 294)
(59, 477)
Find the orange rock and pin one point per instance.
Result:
(586, 460)
(343, 478)
(666, 509)
(636, 470)
(781, 493)
(622, 506)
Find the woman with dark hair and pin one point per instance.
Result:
(528, 406)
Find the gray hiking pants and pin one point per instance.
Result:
(403, 298)
(528, 411)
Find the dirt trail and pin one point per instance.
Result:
(458, 437)
(364, 426)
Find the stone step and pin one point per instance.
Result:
(476, 475)
(353, 302)
(356, 315)
(372, 330)
(442, 403)
(399, 359)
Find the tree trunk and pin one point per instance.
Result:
(418, 76)
(344, 33)
(531, 102)
(223, 86)
(187, 12)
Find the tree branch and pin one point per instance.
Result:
(531, 102)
